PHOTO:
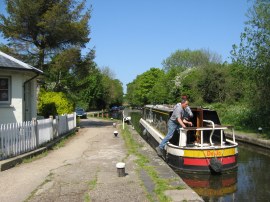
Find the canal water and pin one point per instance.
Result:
(251, 181)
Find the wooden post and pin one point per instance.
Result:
(199, 124)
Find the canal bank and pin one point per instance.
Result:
(84, 169)
(251, 138)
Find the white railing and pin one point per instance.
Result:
(19, 138)
(200, 130)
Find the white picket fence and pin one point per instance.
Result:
(19, 138)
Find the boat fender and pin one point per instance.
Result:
(127, 120)
(215, 165)
(144, 132)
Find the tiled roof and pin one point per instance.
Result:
(9, 62)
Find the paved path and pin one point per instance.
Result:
(67, 173)
(84, 170)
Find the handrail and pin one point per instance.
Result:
(213, 129)
(207, 128)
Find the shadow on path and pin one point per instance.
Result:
(95, 123)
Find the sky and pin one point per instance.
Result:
(132, 36)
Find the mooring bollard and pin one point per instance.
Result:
(115, 133)
(120, 169)
(114, 125)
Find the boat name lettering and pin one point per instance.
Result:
(214, 153)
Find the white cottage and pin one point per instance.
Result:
(18, 90)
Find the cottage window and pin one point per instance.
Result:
(5, 90)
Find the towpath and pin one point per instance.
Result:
(85, 170)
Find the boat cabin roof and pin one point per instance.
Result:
(169, 108)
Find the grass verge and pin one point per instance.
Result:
(39, 156)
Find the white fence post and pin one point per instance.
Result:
(35, 130)
(57, 125)
(52, 134)
(75, 120)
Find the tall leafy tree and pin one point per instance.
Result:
(75, 75)
(50, 35)
(113, 89)
(64, 70)
(142, 87)
(182, 59)
(117, 92)
(212, 84)
(40, 28)
(87, 84)
(253, 52)
(183, 83)
(159, 91)
(130, 98)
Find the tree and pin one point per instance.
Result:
(177, 83)
(50, 35)
(253, 52)
(140, 91)
(186, 83)
(212, 84)
(75, 75)
(130, 96)
(112, 89)
(64, 69)
(39, 29)
(182, 59)
(117, 92)
(239, 85)
(159, 91)
(86, 83)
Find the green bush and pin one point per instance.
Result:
(54, 103)
(238, 115)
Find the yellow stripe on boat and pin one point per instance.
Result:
(209, 153)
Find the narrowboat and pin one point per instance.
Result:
(201, 148)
